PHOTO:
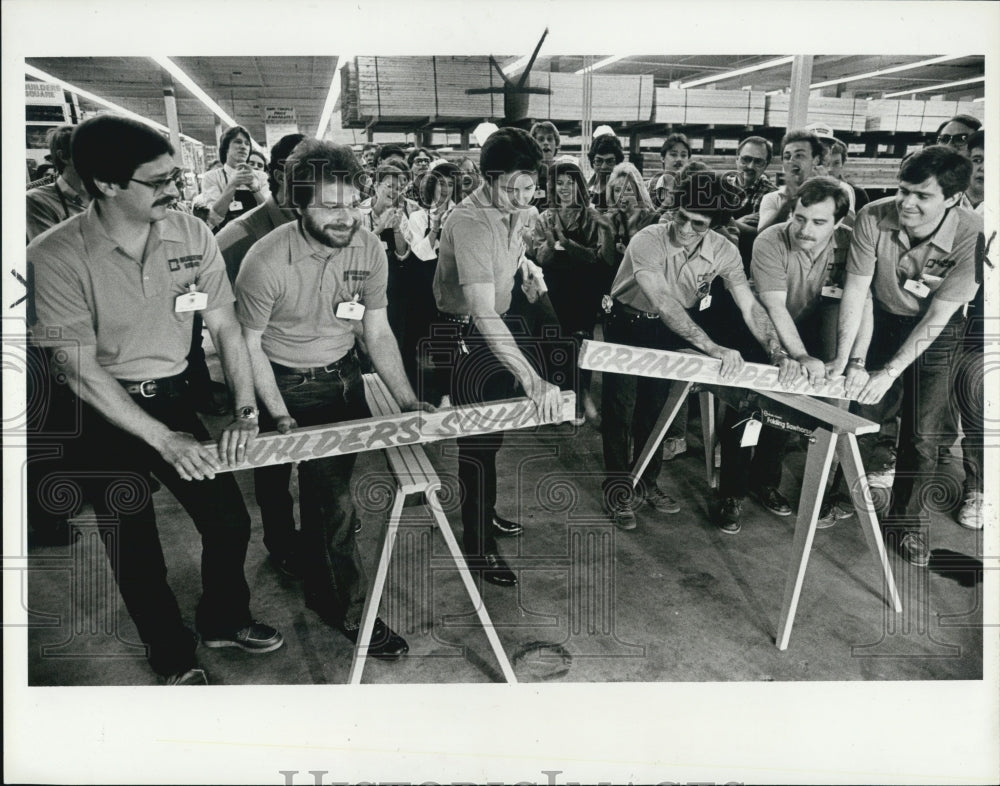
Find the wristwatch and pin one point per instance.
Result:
(891, 372)
(859, 362)
(246, 413)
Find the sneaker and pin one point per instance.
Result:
(971, 514)
(189, 677)
(385, 643)
(913, 548)
(662, 503)
(622, 515)
(674, 447)
(774, 501)
(729, 515)
(827, 518)
(255, 637)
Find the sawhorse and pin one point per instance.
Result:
(414, 474)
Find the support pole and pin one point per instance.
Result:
(798, 104)
(170, 103)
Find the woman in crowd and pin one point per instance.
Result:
(629, 210)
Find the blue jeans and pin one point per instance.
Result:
(333, 576)
(920, 397)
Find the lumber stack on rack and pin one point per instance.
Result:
(350, 110)
(841, 114)
(454, 77)
(895, 115)
(721, 107)
(396, 88)
(615, 98)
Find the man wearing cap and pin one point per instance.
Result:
(917, 252)
(116, 288)
(661, 300)
(301, 290)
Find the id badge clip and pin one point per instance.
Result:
(705, 303)
(831, 290)
(350, 309)
(917, 287)
(235, 206)
(192, 300)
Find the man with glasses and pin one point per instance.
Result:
(605, 154)
(480, 249)
(917, 253)
(418, 161)
(955, 133)
(115, 289)
(662, 300)
(301, 291)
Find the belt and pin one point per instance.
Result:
(314, 371)
(150, 388)
(634, 312)
(462, 319)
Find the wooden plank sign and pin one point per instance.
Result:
(694, 367)
(387, 431)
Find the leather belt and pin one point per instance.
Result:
(151, 388)
(634, 312)
(314, 371)
(461, 319)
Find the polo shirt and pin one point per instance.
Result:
(236, 237)
(289, 289)
(881, 248)
(51, 204)
(689, 277)
(778, 266)
(87, 289)
(477, 247)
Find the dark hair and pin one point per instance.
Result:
(839, 147)
(801, 135)
(60, 140)
(110, 148)
(387, 151)
(966, 120)
(281, 150)
(690, 168)
(259, 155)
(757, 140)
(581, 196)
(509, 150)
(674, 139)
(417, 151)
(951, 169)
(604, 144)
(447, 174)
(389, 169)
(976, 139)
(708, 194)
(227, 140)
(370, 146)
(817, 189)
(545, 125)
(313, 163)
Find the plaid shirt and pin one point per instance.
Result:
(762, 185)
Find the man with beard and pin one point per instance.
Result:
(116, 288)
(300, 291)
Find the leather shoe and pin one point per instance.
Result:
(385, 643)
(494, 568)
(505, 526)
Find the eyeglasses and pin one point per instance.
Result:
(753, 161)
(161, 182)
(697, 224)
(604, 160)
(947, 139)
(421, 160)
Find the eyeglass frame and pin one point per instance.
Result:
(947, 139)
(164, 182)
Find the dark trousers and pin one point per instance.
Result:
(920, 397)
(477, 377)
(969, 394)
(333, 576)
(270, 488)
(118, 485)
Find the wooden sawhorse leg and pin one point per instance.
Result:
(678, 393)
(374, 597)
(819, 459)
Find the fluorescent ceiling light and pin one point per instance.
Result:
(891, 70)
(516, 66)
(178, 73)
(601, 63)
(977, 100)
(780, 61)
(332, 96)
(39, 74)
(934, 88)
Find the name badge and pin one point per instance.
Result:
(751, 433)
(540, 193)
(559, 246)
(918, 288)
(190, 301)
(350, 309)
(831, 291)
(235, 206)
(385, 245)
(705, 302)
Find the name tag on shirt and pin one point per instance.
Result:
(539, 193)
(385, 245)
(559, 246)
(236, 206)
(832, 291)
(705, 302)
(917, 287)
(190, 301)
(350, 309)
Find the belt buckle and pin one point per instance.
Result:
(152, 388)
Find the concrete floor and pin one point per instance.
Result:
(673, 600)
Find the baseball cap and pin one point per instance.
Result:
(603, 131)
(821, 130)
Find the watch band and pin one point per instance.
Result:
(246, 413)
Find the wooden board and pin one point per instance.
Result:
(841, 114)
(694, 367)
(387, 431)
(615, 98)
(721, 107)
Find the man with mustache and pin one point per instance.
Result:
(917, 252)
(116, 288)
(300, 291)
